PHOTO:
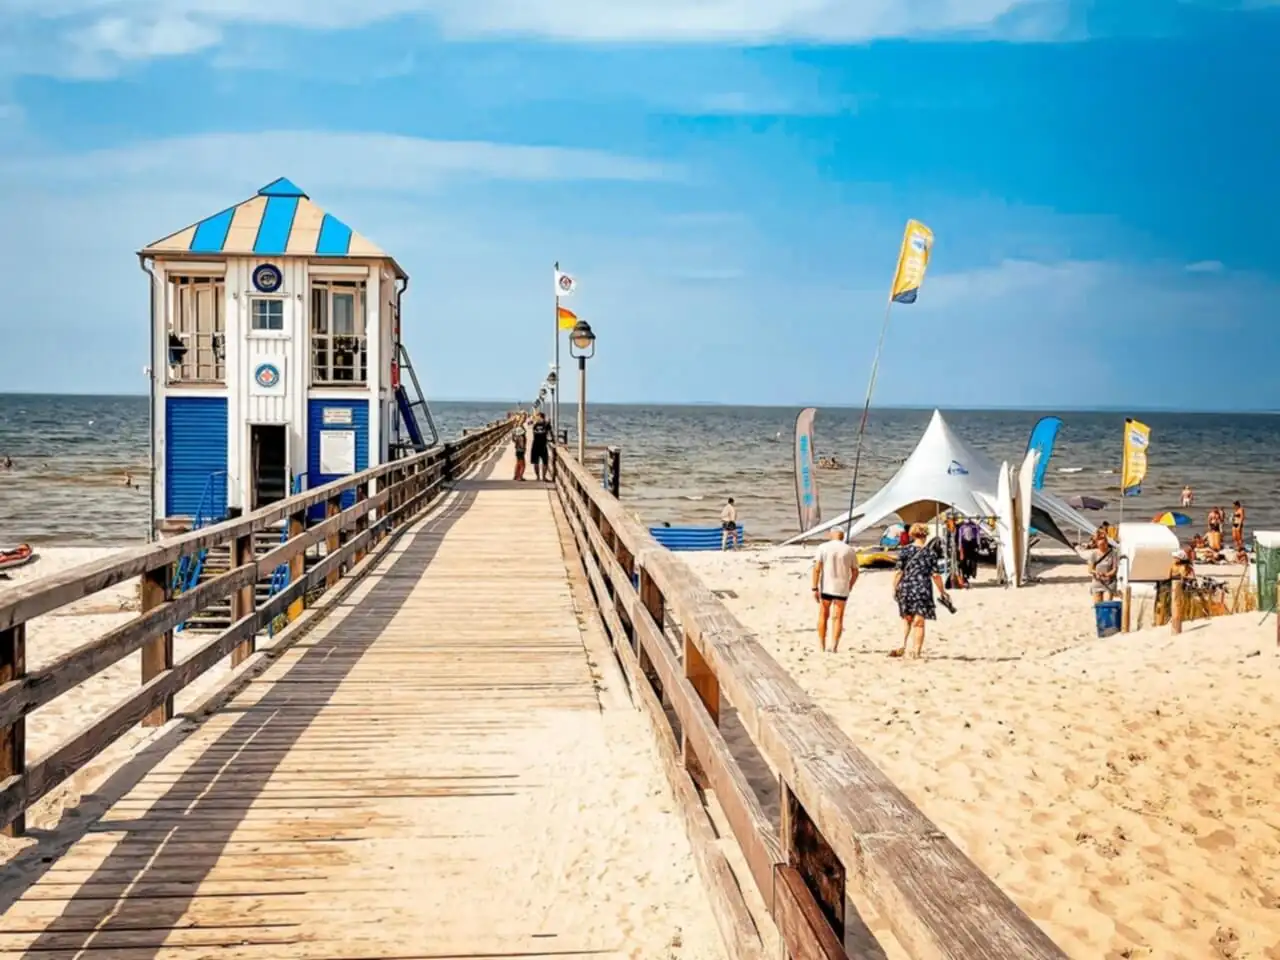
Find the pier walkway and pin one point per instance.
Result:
(464, 718)
(429, 772)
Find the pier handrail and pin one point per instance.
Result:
(386, 498)
(842, 820)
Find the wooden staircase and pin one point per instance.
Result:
(217, 616)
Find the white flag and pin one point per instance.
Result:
(565, 284)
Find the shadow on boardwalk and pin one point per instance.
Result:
(191, 822)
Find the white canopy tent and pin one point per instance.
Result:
(945, 473)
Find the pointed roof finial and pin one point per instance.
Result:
(282, 187)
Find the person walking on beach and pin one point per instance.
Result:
(518, 440)
(1237, 526)
(968, 539)
(835, 571)
(913, 584)
(538, 449)
(1188, 497)
(1103, 567)
(729, 525)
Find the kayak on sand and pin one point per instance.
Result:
(16, 556)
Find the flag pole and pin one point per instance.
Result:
(555, 394)
(866, 410)
(1123, 449)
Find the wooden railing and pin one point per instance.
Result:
(386, 498)
(841, 822)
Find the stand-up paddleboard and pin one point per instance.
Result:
(1005, 526)
(1026, 485)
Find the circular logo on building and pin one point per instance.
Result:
(267, 375)
(267, 278)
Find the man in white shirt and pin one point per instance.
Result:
(728, 525)
(835, 571)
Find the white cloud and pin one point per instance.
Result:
(1206, 266)
(129, 38)
(241, 162)
(90, 37)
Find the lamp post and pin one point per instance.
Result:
(582, 344)
(552, 382)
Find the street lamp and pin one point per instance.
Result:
(551, 381)
(582, 344)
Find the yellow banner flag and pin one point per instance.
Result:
(913, 260)
(568, 319)
(1137, 437)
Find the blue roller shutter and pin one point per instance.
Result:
(195, 430)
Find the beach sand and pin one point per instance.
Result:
(1122, 791)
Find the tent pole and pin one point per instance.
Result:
(866, 410)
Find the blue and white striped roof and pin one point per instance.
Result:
(279, 220)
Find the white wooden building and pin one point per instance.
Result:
(275, 357)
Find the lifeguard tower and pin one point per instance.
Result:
(276, 360)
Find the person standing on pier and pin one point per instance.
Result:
(835, 571)
(538, 450)
(518, 440)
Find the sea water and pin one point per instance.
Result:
(72, 455)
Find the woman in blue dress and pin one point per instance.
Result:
(913, 584)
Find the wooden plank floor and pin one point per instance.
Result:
(418, 777)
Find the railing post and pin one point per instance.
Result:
(615, 472)
(446, 467)
(297, 563)
(807, 850)
(651, 597)
(13, 739)
(362, 523)
(703, 680)
(393, 481)
(157, 653)
(332, 507)
(244, 601)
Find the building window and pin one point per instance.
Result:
(266, 314)
(197, 330)
(339, 345)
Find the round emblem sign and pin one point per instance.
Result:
(267, 278)
(566, 283)
(267, 375)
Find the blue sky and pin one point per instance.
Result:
(728, 179)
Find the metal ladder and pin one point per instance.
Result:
(411, 406)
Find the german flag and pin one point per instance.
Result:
(568, 319)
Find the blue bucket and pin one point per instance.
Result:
(1107, 614)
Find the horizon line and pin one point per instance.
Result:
(997, 408)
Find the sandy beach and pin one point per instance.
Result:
(1121, 790)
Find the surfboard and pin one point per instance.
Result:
(1005, 526)
(1026, 478)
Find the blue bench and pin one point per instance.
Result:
(691, 538)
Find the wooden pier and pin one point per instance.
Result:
(404, 772)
